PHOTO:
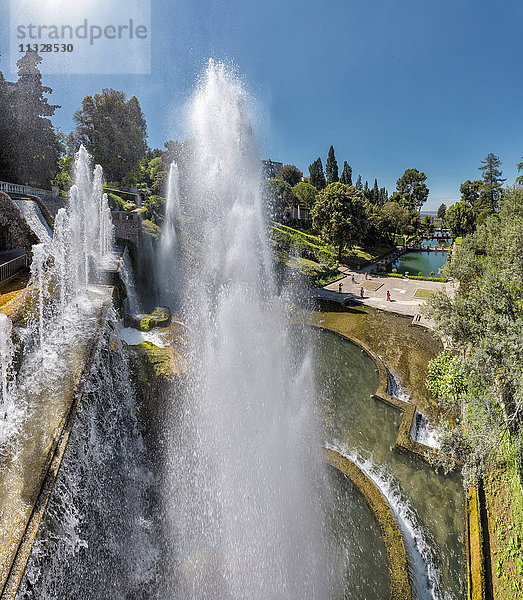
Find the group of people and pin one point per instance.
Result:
(362, 291)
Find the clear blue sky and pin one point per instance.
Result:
(392, 84)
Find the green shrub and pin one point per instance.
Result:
(115, 202)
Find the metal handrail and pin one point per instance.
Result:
(11, 267)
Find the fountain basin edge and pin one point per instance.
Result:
(404, 440)
(396, 555)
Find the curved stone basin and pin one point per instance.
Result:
(428, 507)
(360, 563)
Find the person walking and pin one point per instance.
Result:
(340, 287)
(388, 296)
(361, 292)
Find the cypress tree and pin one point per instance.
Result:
(375, 192)
(359, 185)
(346, 174)
(331, 168)
(316, 174)
(491, 179)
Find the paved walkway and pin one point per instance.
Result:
(402, 291)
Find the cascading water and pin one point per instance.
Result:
(96, 539)
(35, 219)
(169, 270)
(6, 359)
(245, 512)
(422, 431)
(132, 301)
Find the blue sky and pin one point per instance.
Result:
(392, 84)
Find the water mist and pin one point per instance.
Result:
(245, 454)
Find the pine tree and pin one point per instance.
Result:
(359, 185)
(331, 167)
(30, 146)
(346, 174)
(492, 181)
(316, 174)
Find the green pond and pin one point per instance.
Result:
(424, 262)
(428, 506)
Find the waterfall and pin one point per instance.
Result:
(169, 270)
(132, 301)
(421, 431)
(97, 539)
(245, 516)
(35, 219)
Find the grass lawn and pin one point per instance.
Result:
(504, 500)
(423, 294)
(355, 257)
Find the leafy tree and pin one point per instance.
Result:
(113, 130)
(339, 214)
(278, 196)
(359, 184)
(411, 191)
(483, 326)
(460, 218)
(492, 180)
(346, 174)
(305, 194)
(331, 167)
(470, 191)
(154, 209)
(316, 174)
(290, 174)
(64, 178)
(441, 211)
(373, 233)
(427, 225)
(30, 147)
(155, 175)
(394, 219)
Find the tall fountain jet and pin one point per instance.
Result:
(245, 471)
(6, 361)
(169, 268)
